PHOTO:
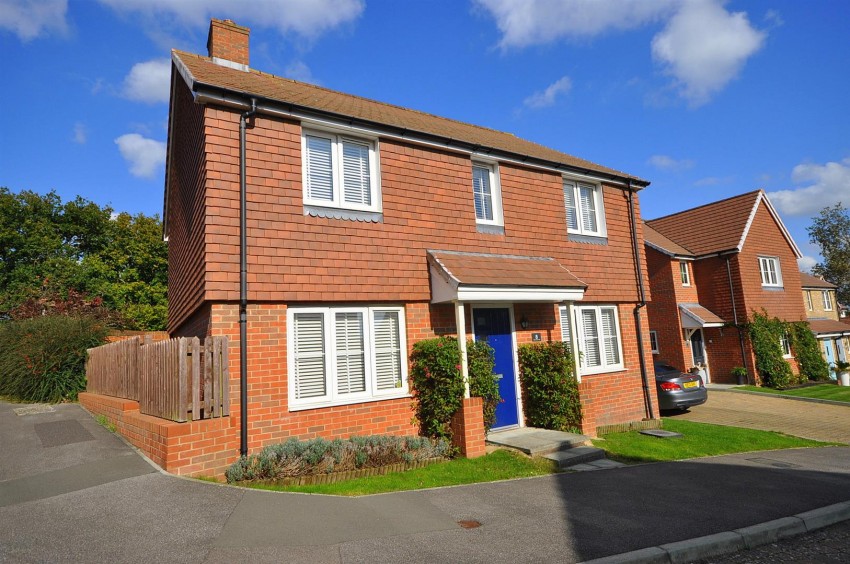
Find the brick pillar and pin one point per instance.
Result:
(468, 428)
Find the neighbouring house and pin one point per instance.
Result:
(369, 227)
(822, 311)
(710, 269)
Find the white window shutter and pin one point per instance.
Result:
(319, 174)
(309, 348)
(592, 354)
(356, 175)
(570, 204)
(482, 192)
(387, 350)
(350, 353)
(588, 209)
(564, 312)
(609, 332)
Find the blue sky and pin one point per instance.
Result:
(706, 99)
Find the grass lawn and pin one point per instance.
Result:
(700, 439)
(821, 391)
(499, 465)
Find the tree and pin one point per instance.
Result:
(831, 232)
(78, 255)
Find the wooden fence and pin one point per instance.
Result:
(178, 379)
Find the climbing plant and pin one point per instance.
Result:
(807, 352)
(766, 334)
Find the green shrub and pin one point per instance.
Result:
(438, 383)
(43, 359)
(550, 395)
(807, 351)
(766, 335)
(482, 381)
(321, 456)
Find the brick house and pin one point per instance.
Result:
(710, 268)
(822, 311)
(369, 227)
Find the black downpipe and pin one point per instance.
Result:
(243, 285)
(647, 398)
(735, 315)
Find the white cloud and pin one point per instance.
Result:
(805, 263)
(144, 155)
(298, 70)
(828, 184)
(714, 180)
(309, 18)
(80, 133)
(668, 163)
(703, 47)
(29, 19)
(537, 22)
(544, 98)
(148, 82)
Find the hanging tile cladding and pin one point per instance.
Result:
(186, 217)
(663, 310)
(765, 239)
(427, 203)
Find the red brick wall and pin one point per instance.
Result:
(187, 177)
(663, 310)
(766, 239)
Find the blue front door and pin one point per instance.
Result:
(494, 326)
(830, 357)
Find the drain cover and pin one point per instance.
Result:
(471, 524)
(661, 433)
(34, 409)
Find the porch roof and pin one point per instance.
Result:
(479, 277)
(828, 327)
(695, 316)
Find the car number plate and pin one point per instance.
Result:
(693, 384)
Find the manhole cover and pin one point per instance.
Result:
(59, 433)
(661, 433)
(773, 463)
(34, 409)
(471, 524)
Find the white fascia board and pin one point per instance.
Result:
(762, 197)
(509, 294)
(691, 321)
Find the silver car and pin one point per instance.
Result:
(677, 390)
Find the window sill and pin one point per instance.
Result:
(606, 370)
(590, 239)
(339, 213)
(773, 288)
(490, 229)
(338, 403)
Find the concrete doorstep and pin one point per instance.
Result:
(733, 541)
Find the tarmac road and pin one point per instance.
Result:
(71, 491)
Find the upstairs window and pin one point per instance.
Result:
(598, 330)
(346, 355)
(584, 210)
(340, 172)
(685, 273)
(809, 304)
(827, 300)
(486, 193)
(786, 346)
(771, 276)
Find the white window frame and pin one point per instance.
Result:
(653, 341)
(598, 202)
(338, 202)
(827, 300)
(581, 340)
(495, 193)
(332, 397)
(765, 272)
(785, 343)
(684, 273)
(809, 303)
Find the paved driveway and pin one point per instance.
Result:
(819, 421)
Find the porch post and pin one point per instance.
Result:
(574, 341)
(460, 320)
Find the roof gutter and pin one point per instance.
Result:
(209, 93)
(243, 283)
(647, 398)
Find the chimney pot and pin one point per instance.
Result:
(228, 43)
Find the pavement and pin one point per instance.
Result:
(72, 491)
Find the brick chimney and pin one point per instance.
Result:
(228, 43)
